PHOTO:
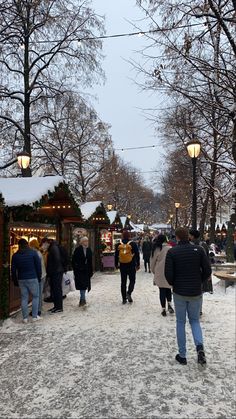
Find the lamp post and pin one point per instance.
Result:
(23, 160)
(177, 205)
(171, 224)
(194, 148)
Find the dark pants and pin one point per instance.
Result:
(147, 264)
(165, 294)
(127, 270)
(56, 289)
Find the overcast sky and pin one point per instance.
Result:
(120, 101)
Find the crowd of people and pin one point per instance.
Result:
(181, 269)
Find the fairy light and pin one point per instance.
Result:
(138, 34)
(135, 148)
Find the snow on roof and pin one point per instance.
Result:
(136, 228)
(27, 190)
(160, 226)
(89, 208)
(123, 221)
(112, 216)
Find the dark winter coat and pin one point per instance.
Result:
(26, 265)
(54, 262)
(83, 268)
(186, 268)
(207, 285)
(147, 249)
(135, 263)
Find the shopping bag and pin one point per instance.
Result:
(65, 284)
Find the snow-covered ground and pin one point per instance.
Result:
(115, 361)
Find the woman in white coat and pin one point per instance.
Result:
(158, 258)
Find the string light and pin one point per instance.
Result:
(135, 148)
(122, 35)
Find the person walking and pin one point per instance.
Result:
(186, 268)
(128, 259)
(55, 270)
(147, 250)
(34, 244)
(159, 251)
(194, 236)
(83, 268)
(27, 273)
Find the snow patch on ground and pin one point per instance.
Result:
(113, 361)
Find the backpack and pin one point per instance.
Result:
(64, 257)
(125, 253)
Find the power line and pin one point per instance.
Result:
(120, 35)
(141, 33)
(135, 148)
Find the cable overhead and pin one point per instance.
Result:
(135, 148)
(120, 35)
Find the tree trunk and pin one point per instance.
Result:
(27, 140)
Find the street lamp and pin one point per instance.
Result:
(23, 160)
(194, 148)
(171, 223)
(177, 205)
(109, 207)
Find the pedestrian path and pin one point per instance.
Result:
(110, 360)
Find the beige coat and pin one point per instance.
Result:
(157, 264)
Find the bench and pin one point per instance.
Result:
(229, 277)
(223, 266)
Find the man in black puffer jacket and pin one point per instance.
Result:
(186, 268)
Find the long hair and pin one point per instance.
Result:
(158, 242)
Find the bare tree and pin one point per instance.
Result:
(41, 55)
(72, 142)
(197, 70)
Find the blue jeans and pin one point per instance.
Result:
(184, 305)
(28, 286)
(41, 286)
(82, 294)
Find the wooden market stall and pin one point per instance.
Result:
(109, 238)
(32, 207)
(96, 220)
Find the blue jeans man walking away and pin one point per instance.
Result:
(26, 273)
(186, 268)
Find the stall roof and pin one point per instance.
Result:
(160, 226)
(27, 190)
(137, 228)
(112, 216)
(89, 208)
(123, 220)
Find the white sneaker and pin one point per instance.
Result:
(25, 320)
(35, 319)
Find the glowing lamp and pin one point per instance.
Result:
(193, 148)
(23, 159)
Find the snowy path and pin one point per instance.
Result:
(115, 361)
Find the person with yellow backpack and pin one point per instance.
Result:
(128, 260)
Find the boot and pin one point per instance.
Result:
(182, 361)
(163, 313)
(201, 358)
(129, 298)
(82, 303)
(170, 309)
